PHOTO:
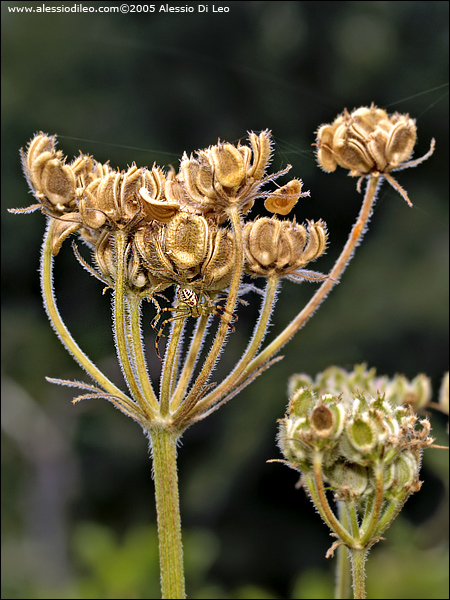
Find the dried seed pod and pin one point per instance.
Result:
(149, 243)
(187, 239)
(229, 165)
(52, 182)
(283, 200)
(217, 269)
(221, 177)
(158, 210)
(64, 226)
(262, 153)
(113, 200)
(40, 150)
(261, 239)
(58, 184)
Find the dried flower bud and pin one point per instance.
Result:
(283, 200)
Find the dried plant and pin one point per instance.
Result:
(150, 230)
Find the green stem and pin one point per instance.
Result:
(372, 525)
(170, 366)
(358, 558)
(234, 378)
(343, 579)
(354, 239)
(134, 303)
(58, 324)
(165, 476)
(314, 481)
(190, 362)
(120, 325)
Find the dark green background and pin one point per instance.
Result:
(78, 508)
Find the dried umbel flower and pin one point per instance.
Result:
(282, 248)
(369, 141)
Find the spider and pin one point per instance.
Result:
(190, 304)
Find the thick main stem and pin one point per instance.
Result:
(168, 513)
(358, 558)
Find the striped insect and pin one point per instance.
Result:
(190, 304)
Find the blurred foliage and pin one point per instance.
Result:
(77, 496)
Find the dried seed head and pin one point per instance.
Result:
(281, 248)
(225, 175)
(52, 182)
(283, 200)
(365, 141)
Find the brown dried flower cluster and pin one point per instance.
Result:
(175, 223)
(369, 141)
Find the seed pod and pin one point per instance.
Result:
(262, 152)
(64, 226)
(158, 210)
(301, 402)
(218, 267)
(350, 480)
(58, 184)
(281, 248)
(186, 240)
(229, 165)
(283, 200)
(148, 241)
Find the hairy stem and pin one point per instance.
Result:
(134, 303)
(230, 382)
(354, 239)
(358, 558)
(163, 445)
(58, 324)
(120, 326)
(342, 586)
(170, 366)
